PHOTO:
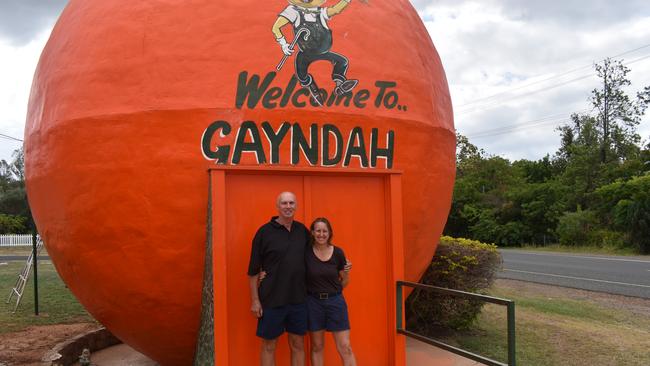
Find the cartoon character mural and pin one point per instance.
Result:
(314, 39)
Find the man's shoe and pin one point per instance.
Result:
(344, 87)
(315, 93)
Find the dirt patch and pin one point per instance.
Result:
(27, 347)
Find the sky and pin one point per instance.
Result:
(516, 69)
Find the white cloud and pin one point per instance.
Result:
(513, 63)
(508, 62)
(17, 65)
(23, 20)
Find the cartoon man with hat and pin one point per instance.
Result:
(314, 39)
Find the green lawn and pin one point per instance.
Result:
(559, 330)
(22, 250)
(56, 303)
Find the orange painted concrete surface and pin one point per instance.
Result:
(121, 130)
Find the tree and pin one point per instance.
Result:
(576, 228)
(580, 154)
(617, 114)
(634, 215)
(466, 192)
(17, 166)
(584, 194)
(482, 207)
(11, 224)
(13, 198)
(593, 147)
(625, 206)
(6, 176)
(539, 171)
(541, 205)
(467, 154)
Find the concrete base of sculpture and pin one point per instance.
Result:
(106, 350)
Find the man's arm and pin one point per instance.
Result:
(256, 305)
(254, 265)
(279, 23)
(279, 37)
(338, 8)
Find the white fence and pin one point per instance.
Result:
(14, 240)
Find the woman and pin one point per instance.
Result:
(326, 278)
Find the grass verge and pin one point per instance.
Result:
(57, 305)
(561, 330)
(577, 249)
(22, 250)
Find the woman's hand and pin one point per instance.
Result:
(348, 266)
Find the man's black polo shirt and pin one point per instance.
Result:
(281, 253)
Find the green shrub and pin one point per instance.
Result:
(576, 228)
(11, 224)
(609, 239)
(460, 264)
(625, 206)
(633, 214)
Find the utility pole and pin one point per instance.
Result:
(32, 225)
(35, 256)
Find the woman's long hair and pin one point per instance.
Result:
(329, 228)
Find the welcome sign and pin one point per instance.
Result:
(254, 91)
(316, 144)
(322, 145)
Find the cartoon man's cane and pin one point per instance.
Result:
(293, 44)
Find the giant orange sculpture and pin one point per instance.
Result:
(133, 101)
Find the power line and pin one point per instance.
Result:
(637, 60)
(491, 105)
(552, 119)
(550, 78)
(499, 102)
(542, 119)
(538, 122)
(495, 100)
(522, 87)
(7, 137)
(500, 98)
(519, 128)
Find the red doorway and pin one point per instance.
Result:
(365, 211)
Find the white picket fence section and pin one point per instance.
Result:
(15, 240)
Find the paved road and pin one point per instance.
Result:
(612, 274)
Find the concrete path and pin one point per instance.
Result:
(422, 354)
(120, 355)
(417, 354)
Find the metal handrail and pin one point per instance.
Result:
(494, 300)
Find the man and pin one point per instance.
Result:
(279, 302)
